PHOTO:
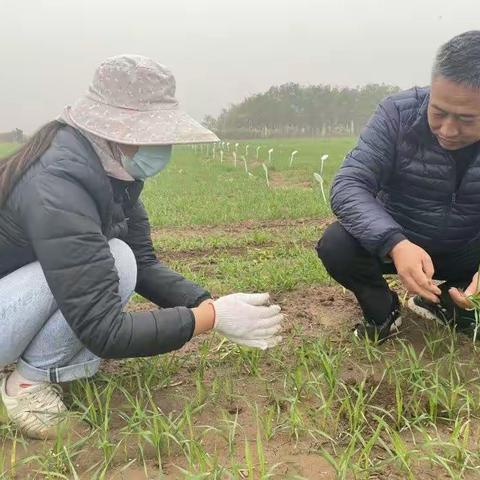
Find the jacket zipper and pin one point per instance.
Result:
(453, 199)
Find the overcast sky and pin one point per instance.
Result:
(219, 50)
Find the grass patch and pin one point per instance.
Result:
(196, 189)
(7, 148)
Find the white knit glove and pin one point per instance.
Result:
(248, 319)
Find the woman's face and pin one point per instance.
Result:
(143, 161)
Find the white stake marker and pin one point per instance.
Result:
(270, 156)
(265, 168)
(292, 156)
(245, 163)
(324, 157)
(319, 179)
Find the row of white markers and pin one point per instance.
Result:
(222, 147)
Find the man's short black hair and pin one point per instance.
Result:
(458, 60)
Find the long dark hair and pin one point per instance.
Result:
(16, 164)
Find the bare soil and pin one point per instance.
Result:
(240, 227)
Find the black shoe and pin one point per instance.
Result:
(380, 332)
(445, 313)
(442, 313)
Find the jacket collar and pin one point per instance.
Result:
(125, 190)
(420, 129)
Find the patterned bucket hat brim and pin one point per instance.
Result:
(132, 100)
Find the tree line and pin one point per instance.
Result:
(15, 136)
(295, 110)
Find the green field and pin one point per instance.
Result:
(319, 406)
(6, 148)
(263, 236)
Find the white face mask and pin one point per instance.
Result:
(148, 161)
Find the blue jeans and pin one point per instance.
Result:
(35, 334)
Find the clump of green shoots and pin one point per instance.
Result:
(475, 301)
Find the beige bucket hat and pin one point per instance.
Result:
(132, 100)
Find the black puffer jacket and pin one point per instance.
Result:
(62, 213)
(398, 182)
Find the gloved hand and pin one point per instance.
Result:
(247, 319)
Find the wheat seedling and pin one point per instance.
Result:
(475, 301)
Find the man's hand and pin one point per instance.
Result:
(461, 298)
(415, 269)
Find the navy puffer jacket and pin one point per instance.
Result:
(398, 183)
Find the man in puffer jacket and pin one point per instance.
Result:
(407, 199)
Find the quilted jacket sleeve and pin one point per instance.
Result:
(156, 281)
(63, 225)
(365, 169)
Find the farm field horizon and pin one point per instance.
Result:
(321, 405)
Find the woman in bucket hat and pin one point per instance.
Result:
(75, 243)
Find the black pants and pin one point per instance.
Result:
(357, 270)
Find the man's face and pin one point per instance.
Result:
(454, 113)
